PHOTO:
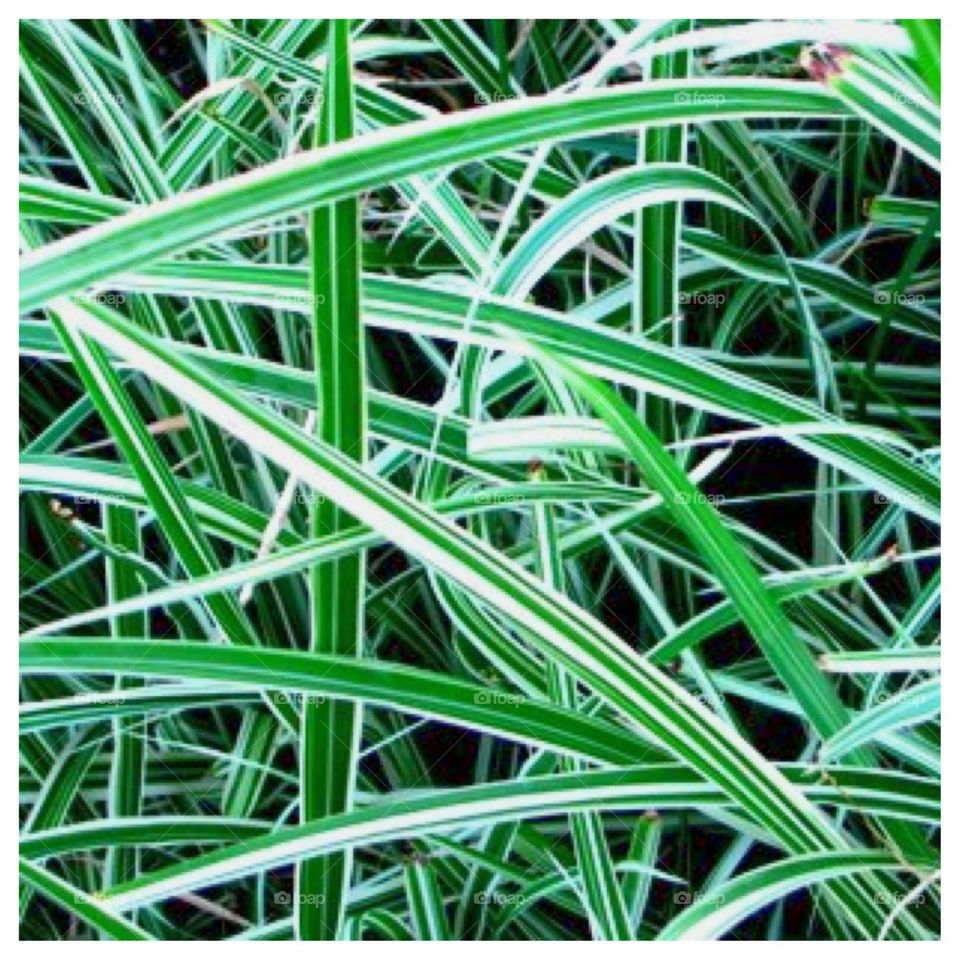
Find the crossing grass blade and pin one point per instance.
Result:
(331, 729)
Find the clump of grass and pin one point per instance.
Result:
(480, 481)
